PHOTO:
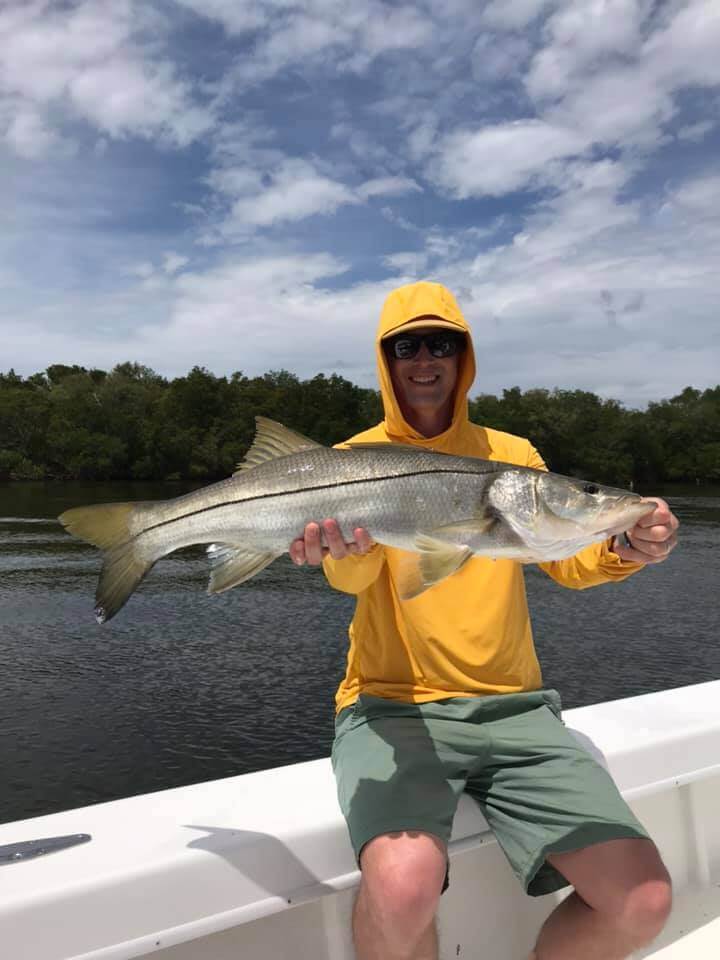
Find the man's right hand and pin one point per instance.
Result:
(309, 548)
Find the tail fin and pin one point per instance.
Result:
(106, 525)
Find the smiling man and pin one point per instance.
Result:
(443, 694)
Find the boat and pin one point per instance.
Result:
(260, 867)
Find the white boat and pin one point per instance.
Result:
(259, 867)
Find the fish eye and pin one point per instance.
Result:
(591, 488)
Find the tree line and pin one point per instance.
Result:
(73, 423)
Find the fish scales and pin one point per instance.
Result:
(270, 504)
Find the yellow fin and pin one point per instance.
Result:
(471, 526)
(435, 559)
(232, 565)
(273, 440)
(438, 559)
(106, 525)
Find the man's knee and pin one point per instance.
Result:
(623, 880)
(647, 908)
(402, 877)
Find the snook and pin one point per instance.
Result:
(441, 508)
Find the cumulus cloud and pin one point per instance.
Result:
(498, 159)
(88, 59)
(513, 14)
(388, 186)
(605, 75)
(282, 189)
(293, 190)
(172, 262)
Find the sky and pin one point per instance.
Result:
(238, 185)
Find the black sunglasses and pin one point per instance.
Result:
(443, 343)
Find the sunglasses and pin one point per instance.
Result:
(444, 343)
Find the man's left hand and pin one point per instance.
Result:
(653, 537)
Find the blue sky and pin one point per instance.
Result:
(238, 185)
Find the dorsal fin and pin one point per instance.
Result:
(273, 440)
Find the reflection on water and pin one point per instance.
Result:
(182, 687)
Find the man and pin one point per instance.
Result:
(449, 681)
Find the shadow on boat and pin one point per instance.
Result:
(263, 859)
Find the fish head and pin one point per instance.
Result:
(595, 510)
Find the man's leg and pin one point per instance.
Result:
(402, 878)
(621, 901)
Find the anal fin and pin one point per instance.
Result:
(231, 565)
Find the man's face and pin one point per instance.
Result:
(425, 384)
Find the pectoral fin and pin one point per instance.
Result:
(435, 559)
(232, 565)
(466, 529)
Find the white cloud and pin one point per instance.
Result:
(410, 264)
(685, 51)
(345, 34)
(513, 14)
(605, 76)
(236, 18)
(599, 76)
(618, 106)
(581, 33)
(497, 56)
(172, 262)
(695, 131)
(25, 130)
(498, 159)
(143, 270)
(127, 97)
(388, 186)
(296, 191)
(287, 189)
(87, 59)
(699, 197)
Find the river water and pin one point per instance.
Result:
(181, 687)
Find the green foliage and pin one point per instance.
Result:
(69, 422)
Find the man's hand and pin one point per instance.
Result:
(309, 548)
(653, 536)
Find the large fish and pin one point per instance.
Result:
(442, 509)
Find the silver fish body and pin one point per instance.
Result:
(442, 509)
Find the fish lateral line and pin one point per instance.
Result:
(302, 490)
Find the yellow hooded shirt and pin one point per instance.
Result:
(470, 634)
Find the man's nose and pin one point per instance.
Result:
(424, 353)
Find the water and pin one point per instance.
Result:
(182, 687)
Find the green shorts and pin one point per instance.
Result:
(402, 766)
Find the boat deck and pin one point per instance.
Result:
(260, 866)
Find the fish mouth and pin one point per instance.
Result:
(627, 515)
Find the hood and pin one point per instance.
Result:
(404, 309)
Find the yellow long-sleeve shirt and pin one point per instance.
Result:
(471, 633)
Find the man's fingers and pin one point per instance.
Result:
(654, 534)
(657, 551)
(363, 539)
(336, 544)
(313, 544)
(297, 551)
(311, 548)
(661, 515)
(647, 551)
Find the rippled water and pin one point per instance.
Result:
(182, 687)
